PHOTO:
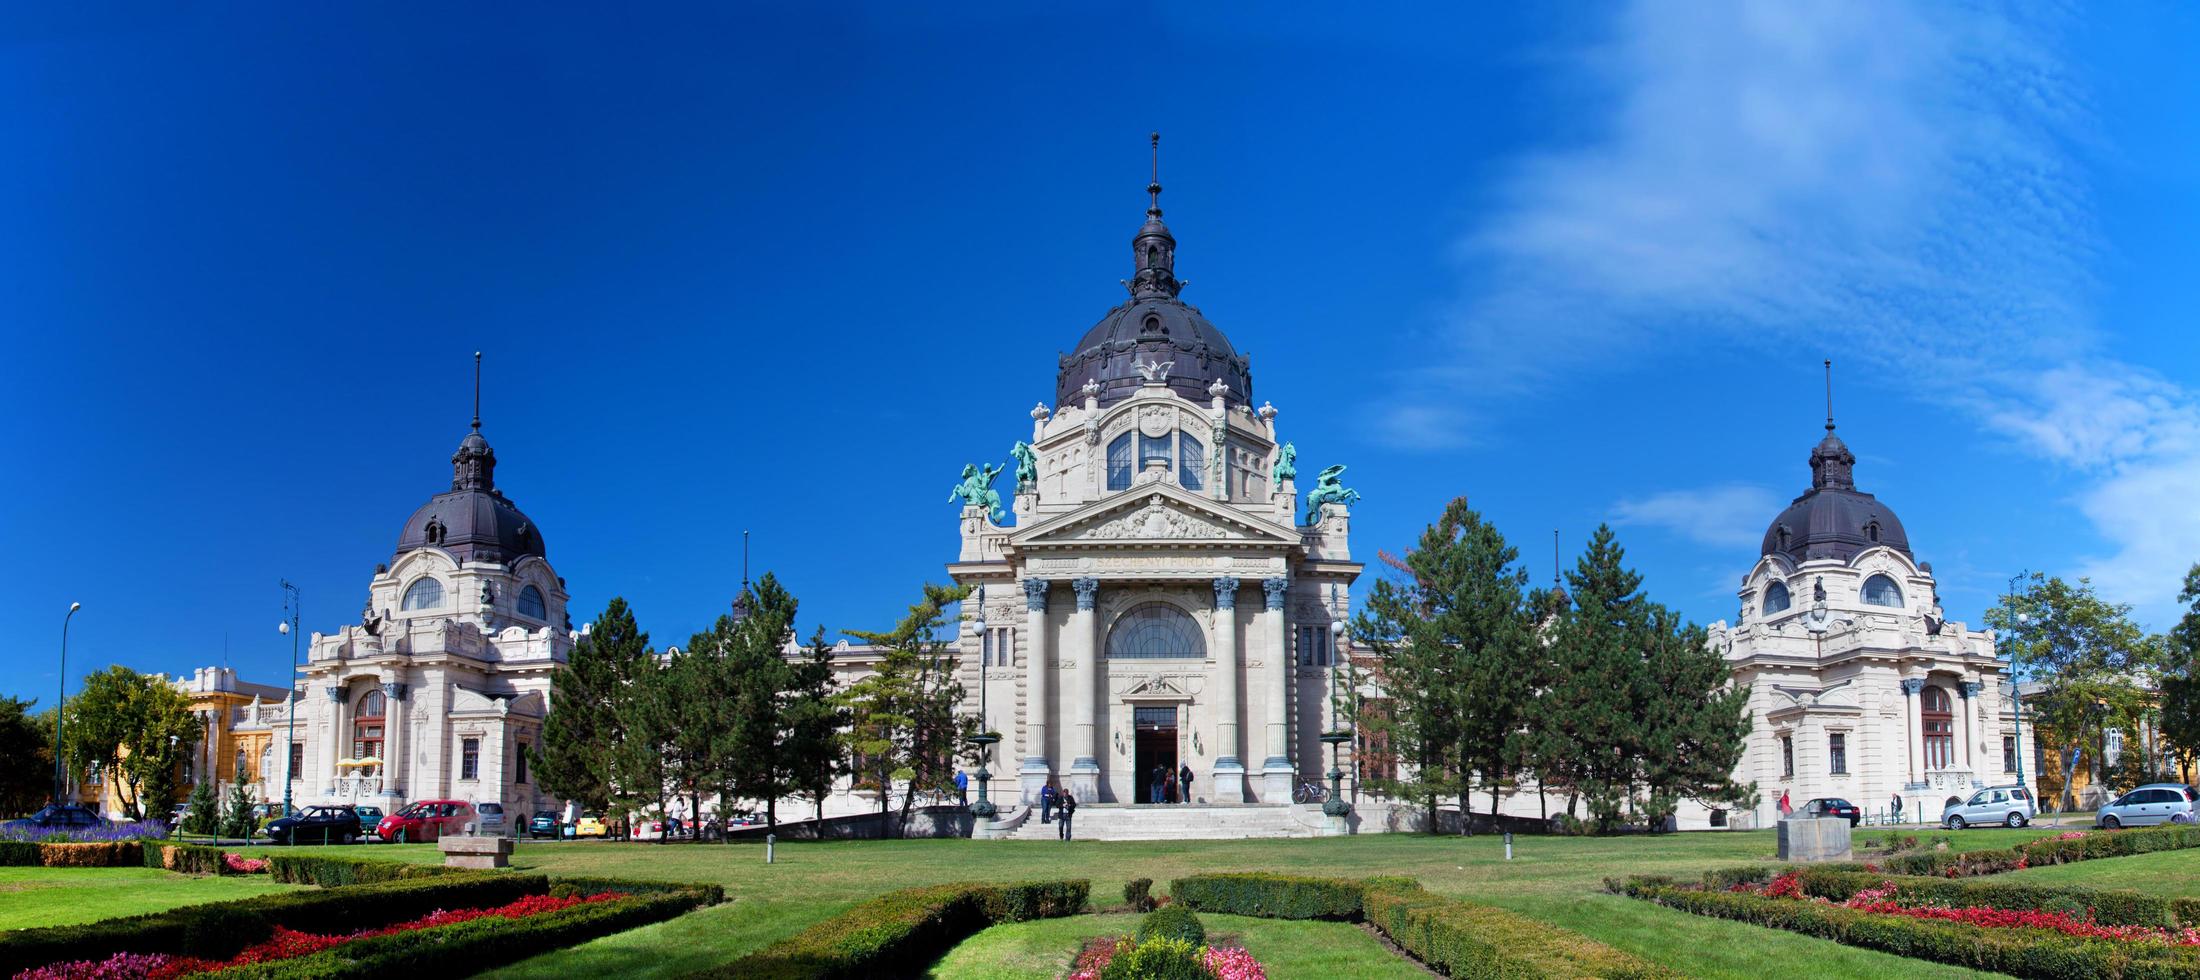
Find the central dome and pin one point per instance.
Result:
(1833, 519)
(474, 521)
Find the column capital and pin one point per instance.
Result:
(1971, 689)
(1275, 587)
(1226, 590)
(395, 691)
(1088, 589)
(335, 693)
(1035, 594)
(1911, 686)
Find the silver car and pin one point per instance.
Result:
(2010, 806)
(2150, 804)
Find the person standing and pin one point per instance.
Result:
(1897, 808)
(1046, 802)
(1785, 807)
(1168, 786)
(962, 787)
(1184, 782)
(1069, 811)
(1153, 786)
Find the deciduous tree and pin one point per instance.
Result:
(26, 768)
(137, 729)
(2087, 655)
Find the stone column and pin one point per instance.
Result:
(333, 750)
(1276, 771)
(1913, 722)
(393, 739)
(1970, 737)
(1038, 689)
(1081, 643)
(1229, 772)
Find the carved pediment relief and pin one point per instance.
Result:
(1157, 512)
(1156, 520)
(1153, 686)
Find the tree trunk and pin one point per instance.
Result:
(2070, 772)
(771, 813)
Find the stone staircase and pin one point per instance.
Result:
(1116, 821)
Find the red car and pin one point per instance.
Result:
(426, 820)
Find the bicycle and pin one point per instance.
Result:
(1309, 791)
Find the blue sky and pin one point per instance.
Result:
(786, 271)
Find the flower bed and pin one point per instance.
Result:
(104, 834)
(2028, 942)
(287, 944)
(1118, 958)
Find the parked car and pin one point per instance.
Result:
(68, 816)
(2150, 804)
(263, 813)
(543, 824)
(426, 820)
(2010, 806)
(489, 818)
(317, 825)
(589, 825)
(1833, 806)
(370, 817)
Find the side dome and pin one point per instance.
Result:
(1833, 519)
(473, 521)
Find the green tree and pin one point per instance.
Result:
(134, 727)
(237, 812)
(813, 750)
(26, 769)
(2088, 656)
(2180, 685)
(751, 684)
(572, 759)
(647, 715)
(1696, 724)
(204, 817)
(905, 720)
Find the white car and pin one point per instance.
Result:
(2150, 804)
(2010, 806)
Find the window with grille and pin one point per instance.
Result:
(1940, 729)
(469, 758)
(1787, 757)
(2008, 753)
(1316, 649)
(1000, 647)
(1837, 753)
(1119, 463)
(1156, 631)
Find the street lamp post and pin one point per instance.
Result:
(984, 808)
(1338, 732)
(290, 739)
(2016, 686)
(62, 701)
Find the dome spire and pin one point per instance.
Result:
(1154, 249)
(473, 467)
(1831, 463)
(477, 391)
(1829, 393)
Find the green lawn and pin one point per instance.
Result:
(2160, 873)
(65, 896)
(1286, 950)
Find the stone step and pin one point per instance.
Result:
(1183, 822)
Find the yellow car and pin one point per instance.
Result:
(589, 825)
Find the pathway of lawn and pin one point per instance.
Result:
(67, 896)
(1557, 880)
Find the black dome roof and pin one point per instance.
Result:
(1154, 327)
(1833, 519)
(474, 521)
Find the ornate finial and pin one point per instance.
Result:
(1039, 412)
(1218, 389)
(1829, 394)
(477, 391)
(1154, 189)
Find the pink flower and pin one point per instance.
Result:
(1232, 964)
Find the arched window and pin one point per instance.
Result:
(426, 593)
(366, 726)
(1939, 721)
(1119, 463)
(1880, 590)
(530, 603)
(1156, 631)
(1776, 598)
(1191, 469)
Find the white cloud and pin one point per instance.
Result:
(1728, 516)
(1895, 181)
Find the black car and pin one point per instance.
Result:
(543, 824)
(68, 816)
(317, 825)
(1833, 806)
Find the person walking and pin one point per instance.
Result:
(962, 787)
(1897, 808)
(1785, 807)
(1184, 782)
(1069, 811)
(1046, 802)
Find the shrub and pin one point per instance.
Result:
(237, 812)
(333, 872)
(218, 930)
(1270, 896)
(113, 854)
(1138, 894)
(890, 933)
(204, 817)
(1462, 939)
(2106, 844)
(582, 886)
(191, 859)
(1157, 958)
(1173, 922)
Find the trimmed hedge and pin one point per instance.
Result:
(471, 947)
(101, 854)
(1462, 939)
(335, 872)
(2108, 844)
(1270, 896)
(582, 886)
(1171, 922)
(2020, 952)
(219, 930)
(901, 933)
(1138, 894)
(190, 859)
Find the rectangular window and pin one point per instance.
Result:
(519, 762)
(297, 759)
(238, 773)
(2008, 753)
(1000, 646)
(1314, 646)
(469, 758)
(1837, 753)
(1787, 757)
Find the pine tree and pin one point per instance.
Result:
(814, 753)
(237, 818)
(204, 817)
(646, 714)
(572, 760)
(905, 718)
(26, 769)
(1697, 727)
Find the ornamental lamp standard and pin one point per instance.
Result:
(1339, 732)
(986, 737)
(62, 702)
(290, 740)
(2016, 685)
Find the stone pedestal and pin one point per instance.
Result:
(1814, 839)
(477, 852)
